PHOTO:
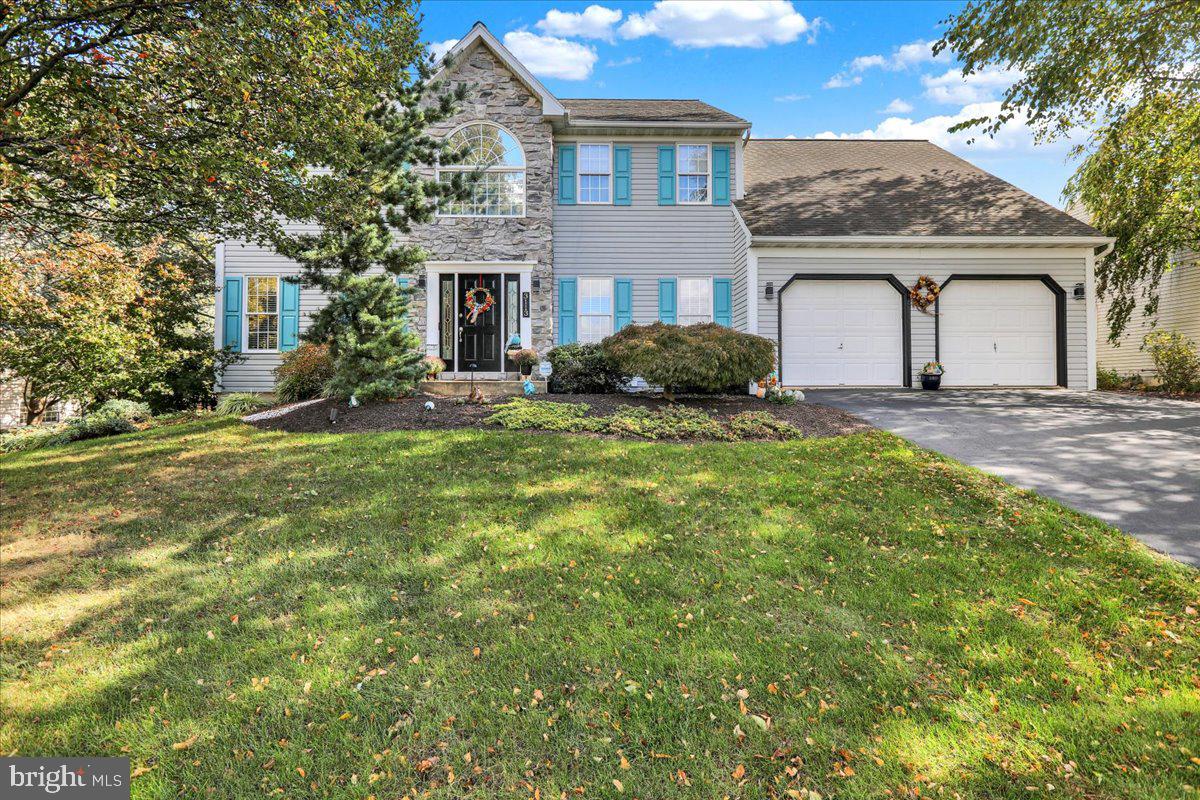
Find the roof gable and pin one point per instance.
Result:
(479, 34)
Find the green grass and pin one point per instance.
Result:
(502, 614)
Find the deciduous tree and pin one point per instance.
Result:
(1127, 72)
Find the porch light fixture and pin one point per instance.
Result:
(770, 290)
(1080, 293)
(420, 281)
(535, 284)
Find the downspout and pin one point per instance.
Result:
(1101, 252)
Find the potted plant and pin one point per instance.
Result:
(433, 365)
(931, 375)
(525, 359)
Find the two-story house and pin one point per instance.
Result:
(592, 214)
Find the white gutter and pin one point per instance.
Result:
(1108, 248)
(633, 123)
(926, 241)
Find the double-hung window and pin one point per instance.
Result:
(695, 300)
(595, 173)
(262, 313)
(595, 309)
(692, 173)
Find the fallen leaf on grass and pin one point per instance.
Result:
(186, 743)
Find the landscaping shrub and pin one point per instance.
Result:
(303, 373)
(521, 414)
(32, 437)
(110, 419)
(1108, 379)
(671, 422)
(132, 410)
(239, 404)
(1175, 360)
(583, 369)
(98, 425)
(697, 358)
(762, 425)
(666, 423)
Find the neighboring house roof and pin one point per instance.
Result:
(870, 187)
(605, 109)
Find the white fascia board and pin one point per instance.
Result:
(931, 241)
(735, 128)
(551, 107)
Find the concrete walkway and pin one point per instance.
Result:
(1129, 460)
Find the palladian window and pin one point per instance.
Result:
(497, 157)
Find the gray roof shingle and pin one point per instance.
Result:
(611, 110)
(870, 187)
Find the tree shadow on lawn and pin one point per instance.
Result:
(622, 597)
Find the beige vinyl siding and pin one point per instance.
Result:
(778, 265)
(645, 241)
(1178, 310)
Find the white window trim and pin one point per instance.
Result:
(612, 304)
(679, 174)
(246, 314)
(455, 168)
(579, 175)
(712, 298)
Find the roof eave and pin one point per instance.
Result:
(965, 240)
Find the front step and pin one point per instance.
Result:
(492, 388)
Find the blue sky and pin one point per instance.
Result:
(792, 68)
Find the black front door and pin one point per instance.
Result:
(479, 339)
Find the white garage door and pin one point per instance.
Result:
(842, 333)
(997, 333)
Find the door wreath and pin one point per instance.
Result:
(478, 301)
(924, 293)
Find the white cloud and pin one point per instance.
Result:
(903, 57)
(721, 23)
(551, 57)
(594, 22)
(790, 98)
(439, 49)
(842, 80)
(624, 62)
(1015, 138)
(898, 106)
(952, 88)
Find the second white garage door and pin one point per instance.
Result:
(841, 333)
(997, 333)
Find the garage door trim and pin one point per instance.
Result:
(905, 311)
(1060, 315)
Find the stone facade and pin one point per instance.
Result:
(496, 95)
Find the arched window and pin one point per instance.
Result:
(500, 190)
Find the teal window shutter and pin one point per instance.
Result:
(622, 176)
(566, 174)
(622, 303)
(723, 302)
(666, 300)
(720, 167)
(567, 309)
(666, 175)
(231, 309)
(289, 314)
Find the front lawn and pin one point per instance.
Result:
(252, 613)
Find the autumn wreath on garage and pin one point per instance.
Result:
(925, 293)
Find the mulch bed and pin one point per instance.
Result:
(409, 414)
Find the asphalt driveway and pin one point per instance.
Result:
(1131, 461)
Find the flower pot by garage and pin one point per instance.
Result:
(931, 381)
